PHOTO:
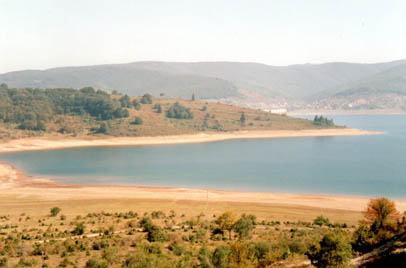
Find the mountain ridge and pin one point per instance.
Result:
(292, 85)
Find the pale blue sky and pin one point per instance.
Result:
(41, 34)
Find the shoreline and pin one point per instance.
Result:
(33, 144)
(21, 186)
(346, 112)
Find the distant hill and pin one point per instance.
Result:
(306, 84)
(383, 90)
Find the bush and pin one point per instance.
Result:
(178, 111)
(137, 121)
(154, 232)
(221, 257)
(321, 220)
(146, 99)
(244, 226)
(332, 251)
(137, 105)
(96, 263)
(103, 129)
(79, 229)
(3, 262)
(323, 121)
(363, 239)
(55, 211)
(205, 258)
(32, 125)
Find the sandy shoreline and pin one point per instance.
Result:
(17, 189)
(31, 144)
(15, 183)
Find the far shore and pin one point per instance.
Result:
(38, 143)
(347, 112)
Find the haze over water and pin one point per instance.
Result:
(360, 165)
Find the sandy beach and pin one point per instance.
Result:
(19, 191)
(31, 144)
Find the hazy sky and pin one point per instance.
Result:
(38, 34)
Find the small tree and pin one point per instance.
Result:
(242, 118)
(193, 97)
(331, 252)
(220, 257)
(137, 105)
(55, 211)
(321, 220)
(244, 226)
(137, 121)
(379, 211)
(103, 129)
(146, 99)
(226, 221)
(79, 229)
(158, 108)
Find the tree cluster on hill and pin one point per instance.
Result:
(323, 121)
(179, 111)
(32, 108)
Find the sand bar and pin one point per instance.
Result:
(31, 144)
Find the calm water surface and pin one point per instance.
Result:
(361, 165)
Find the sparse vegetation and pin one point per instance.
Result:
(169, 238)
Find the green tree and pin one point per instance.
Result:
(242, 118)
(178, 111)
(137, 121)
(220, 257)
(154, 232)
(96, 263)
(321, 220)
(244, 226)
(158, 108)
(125, 101)
(79, 229)
(146, 99)
(103, 129)
(137, 105)
(55, 211)
(193, 97)
(226, 221)
(332, 251)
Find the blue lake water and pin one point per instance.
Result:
(360, 165)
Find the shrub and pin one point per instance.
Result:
(137, 105)
(178, 111)
(3, 262)
(32, 125)
(321, 220)
(79, 229)
(96, 263)
(55, 211)
(205, 258)
(363, 239)
(146, 99)
(244, 226)
(332, 251)
(221, 257)
(154, 232)
(137, 121)
(322, 121)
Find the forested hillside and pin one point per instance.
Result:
(62, 111)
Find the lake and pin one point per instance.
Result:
(360, 165)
